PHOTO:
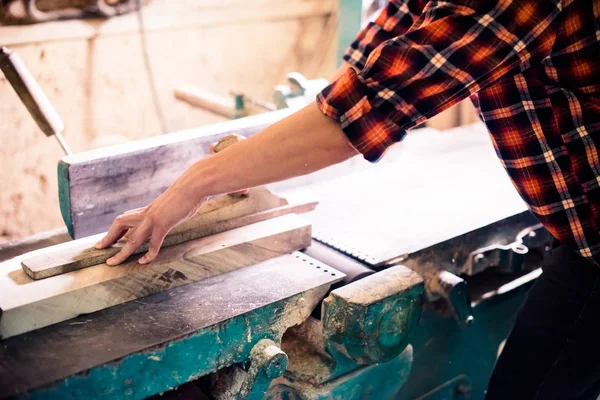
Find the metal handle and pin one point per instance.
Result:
(32, 95)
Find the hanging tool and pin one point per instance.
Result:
(32, 96)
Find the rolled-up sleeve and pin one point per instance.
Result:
(395, 20)
(452, 50)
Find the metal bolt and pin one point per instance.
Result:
(276, 365)
(469, 320)
(463, 388)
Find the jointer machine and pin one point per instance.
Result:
(400, 280)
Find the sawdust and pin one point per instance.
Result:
(384, 284)
(308, 360)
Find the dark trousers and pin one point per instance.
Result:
(553, 351)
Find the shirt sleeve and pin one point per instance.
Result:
(451, 51)
(395, 20)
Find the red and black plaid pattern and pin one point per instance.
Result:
(532, 67)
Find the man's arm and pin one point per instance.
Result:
(451, 51)
(302, 143)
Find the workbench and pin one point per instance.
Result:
(416, 271)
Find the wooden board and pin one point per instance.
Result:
(217, 215)
(27, 304)
(97, 186)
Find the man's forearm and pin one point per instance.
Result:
(304, 142)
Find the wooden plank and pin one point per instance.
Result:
(97, 186)
(28, 304)
(217, 215)
(165, 17)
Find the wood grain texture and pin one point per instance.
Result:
(28, 304)
(217, 215)
(97, 186)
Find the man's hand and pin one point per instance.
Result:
(154, 221)
(302, 143)
(157, 219)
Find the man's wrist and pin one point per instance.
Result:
(200, 181)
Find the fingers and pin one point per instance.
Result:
(134, 236)
(128, 233)
(133, 242)
(119, 228)
(156, 240)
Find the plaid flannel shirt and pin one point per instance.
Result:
(531, 67)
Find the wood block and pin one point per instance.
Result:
(217, 215)
(27, 304)
(96, 186)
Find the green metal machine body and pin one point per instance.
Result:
(220, 325)
(454, 362)
(417, 309)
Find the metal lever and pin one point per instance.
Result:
(32, 96)
(510, 257)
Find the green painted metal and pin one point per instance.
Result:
(450, 361)
(458, 388)
(239, 102)
(349, 23)
(266, 362)
(458, 300)
(365, 335)
(64, 195)
(379, 381)
(359, 350)
(444, 350)
(269, 362)
(371, 320)
(141, 375)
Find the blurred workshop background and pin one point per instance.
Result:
(111, 69)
